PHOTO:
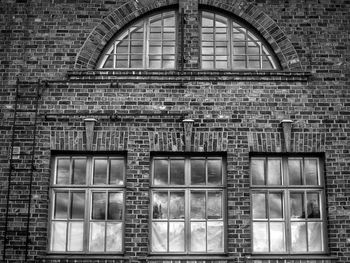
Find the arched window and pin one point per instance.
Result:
(152, 43)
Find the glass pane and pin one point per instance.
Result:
(114, 237)
(214, 172)
(315, 236)
(79, 171)
(109, 62)
(197, 205)
(257, 168)
(198, 236)
(221, 64)
(160, 172)
(100, 171)
(259, 206)
(61, 205)
(58, 236)
(168, 64)
(177, 172)
(136, 63)
(294, 171)
(97, 236)
(298, 231)
(177, 236)
(297, 205)
(159, 236)
(198, 171)
(78, 205)
(260, 237)
(310, 171)
(75, 236)
(276, 205)
(116, 174)
(99, 206)
(274, 172)
(177, 205)
(313, 205)
(63, 171)
(215, 236)
(277, 239)
(214, 205)
(207, 64)
(160, 205)
(154, 63)
(115, 206)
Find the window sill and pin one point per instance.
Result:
(74, 256)
(177, 76)
(290, 258)
(184, 258)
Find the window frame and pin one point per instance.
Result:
(287, 189)
(187, 188)
(88, 188)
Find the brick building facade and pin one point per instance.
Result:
(252, 132)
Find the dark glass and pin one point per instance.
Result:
(297, 205)
(276, 205)
(63, 171)
(197, 205)
(177, 172)
(79, 171)
(115, 206)
(78, 205)
(313, 205)
(310, 172)
(259, 206)
(160, 205)
(177, 205)
(257, 167)
(214, 172)
(198, 172)
(100, 171)
(116, 173)
(160, 172)
(61, 205)
(294, 172)
(214, 205)
(99, 206)
(274, 172)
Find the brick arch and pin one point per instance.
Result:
(102, 33)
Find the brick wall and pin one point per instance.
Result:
(235, 113)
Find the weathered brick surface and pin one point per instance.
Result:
(140, 112)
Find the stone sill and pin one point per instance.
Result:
(166, 76)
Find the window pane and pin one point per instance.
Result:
(298, 231)
(214, 172)
(177, 205)
(99, 206)
(79, 171)
(116, 174)
(297, 205)
(159, 236)
(276, 205)
(197, 205)
(97, 236)
(310, 172)
(197, 171)
(294, 171)
(63, 171)
(78, 205)
(177, 172)
(160, 205)
(214, 205)
(277, 240)
(61, 205)
(313, 205)
(274, 172)
(315, 236)
(109, 62)
(198, 236)
(259, 206)
(215, 237)
(176, 236)
(260, 237)
(100, 171)
(160, 172)
(58, 236)
(115, 206)
(75, 236)
(257, 168)
(114, 237)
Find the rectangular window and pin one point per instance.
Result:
(188, 205)
(87, 204)
(287, 195)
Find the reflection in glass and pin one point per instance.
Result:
(160, 172)
(214, 172)
(99, 206)
(298, 231)
(61, 205)
(177, 172)
(313, 205)
(276, 205)
(274, 172)
(297, 205)
(79, 171)
(159, 236)
(277, 242)
(63, 171)
(116, 174)
(197, 205)
(177, 205)
(215, 236)
(214, 205)
(160, 205)
(294, 172)
(100, 171)
(115, 206)
(257, 168)
(58, 236)
(260, 237)
(114, 237)
(198, 171)
(259, 206)
(310, 171)
(176, 236)
(78, 205)
(315, 236)
(198, 236)
(97, 236)
(75, 236)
